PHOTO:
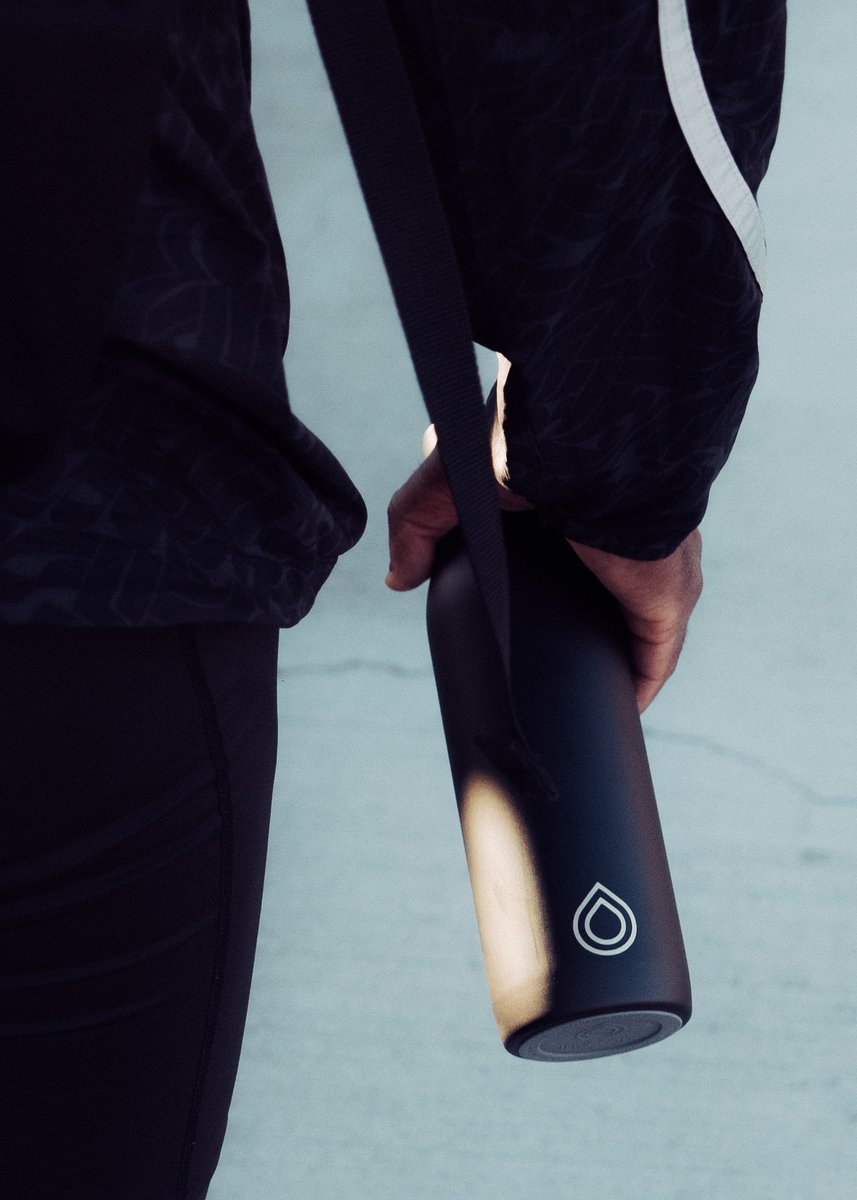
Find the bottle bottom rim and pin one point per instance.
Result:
(598, 1036)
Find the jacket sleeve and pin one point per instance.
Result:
(79, 90)
(594, 255)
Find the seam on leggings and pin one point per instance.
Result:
(219, 762)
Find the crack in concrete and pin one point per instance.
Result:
(397, 670)
(375, 665)
(756, 763)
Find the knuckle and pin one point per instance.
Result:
(394, 507)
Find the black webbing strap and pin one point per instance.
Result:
(382, 126)
(378, 114)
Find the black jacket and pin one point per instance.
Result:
(80, 85)
(592, 251)
(595, 254)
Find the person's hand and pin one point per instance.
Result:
(418, 516)
(656, 598)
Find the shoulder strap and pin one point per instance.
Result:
(385, 138)
(382, 126)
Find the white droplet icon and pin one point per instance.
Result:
(601, 902)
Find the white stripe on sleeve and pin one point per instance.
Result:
(704, 137)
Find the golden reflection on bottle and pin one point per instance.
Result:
(510, 908)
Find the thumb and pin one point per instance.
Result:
(411, 558)
(419, 514)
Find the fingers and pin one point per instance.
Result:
(657, 599)
(411, 560)
(654, 658)
(418, 515)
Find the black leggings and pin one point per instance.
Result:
(137, 771)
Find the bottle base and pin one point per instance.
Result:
(595, 1036)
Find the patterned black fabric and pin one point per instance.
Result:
(183, 489)
(165, 506)
(595, 257)
(80, 89)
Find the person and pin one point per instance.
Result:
(598, 260)
(164, 513)
(657, 596)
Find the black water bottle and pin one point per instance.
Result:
(576, 913)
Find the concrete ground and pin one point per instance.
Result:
(371, 1065)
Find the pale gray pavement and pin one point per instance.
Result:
(371, 1066)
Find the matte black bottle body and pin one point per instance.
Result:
(577, 918)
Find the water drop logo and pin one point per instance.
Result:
(604, 924)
